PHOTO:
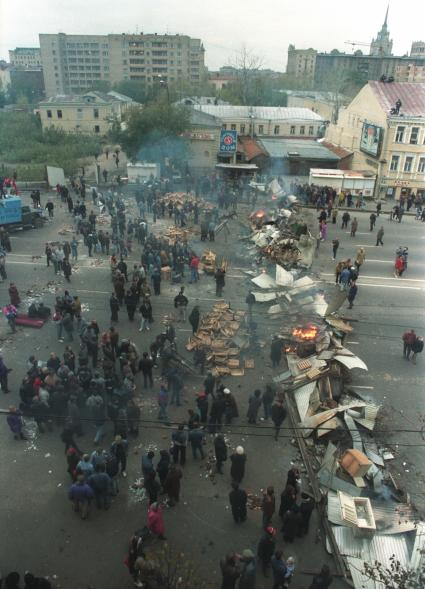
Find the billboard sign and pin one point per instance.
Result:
(228, 141)
(371, 139)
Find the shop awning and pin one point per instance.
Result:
(252, 167)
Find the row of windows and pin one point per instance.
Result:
(276, 130)
(408, 165)
(402, 135)
(80, 111)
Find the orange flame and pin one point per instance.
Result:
(308, 333)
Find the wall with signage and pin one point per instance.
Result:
(371, 139)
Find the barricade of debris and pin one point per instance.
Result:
(368, 518)
(181, 199)
(216, 335)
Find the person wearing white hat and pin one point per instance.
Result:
(238, 460)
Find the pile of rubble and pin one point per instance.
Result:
(366, 519)
(180, 199)
(174, 234)
(216, 334)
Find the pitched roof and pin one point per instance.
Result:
(274, 113)
(339, 151)
(412, 96)
(250, 147)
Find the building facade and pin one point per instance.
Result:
(90, 113)
(387, 141)
(271, 121)
(73, 63)
(301, 62)
(325, 104)
(382, 44)
(25, 57)
(318, 67)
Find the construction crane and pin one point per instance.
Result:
(357, 43)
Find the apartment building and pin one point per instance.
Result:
(90, 113)
(25, 57)
(73, 63)
(272, 121)
(386, 139)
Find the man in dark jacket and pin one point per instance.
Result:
(276, 351)
(266, 547)
(323, 580)
(146, 366)
(278, 415)
(100, 482)
(219, 281)
(220, 449)
(180, 303)
(238, 499)
(194, 318)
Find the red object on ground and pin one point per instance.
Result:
(26, 321)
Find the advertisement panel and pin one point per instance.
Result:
(228, 141)
(371, 139)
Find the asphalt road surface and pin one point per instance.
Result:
(42, 532)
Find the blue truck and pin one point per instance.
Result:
(14, 215)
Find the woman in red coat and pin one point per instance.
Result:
(156, 521)
(399, 267)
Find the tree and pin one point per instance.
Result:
(154, 133)
(134, 89)
(395, 575)
(174, 571)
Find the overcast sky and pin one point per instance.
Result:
(266, 27)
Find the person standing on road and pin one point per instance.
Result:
(409, 337)
(345, 219)
(276, 351)
(379, 236)
(335, 246)
(15, 423)
(179, 441)
(11, 312)
(220, 450)
(146, 367)
(238, 499)
(155, 522)
(278, 415)
(352, 293)
(323, 580)
(119, 449)
(372, 221)
(248, 571)
(219, 281)
(399, 267)
(180, 303)
(417, 348)
(266, 548)
(81, 494)
(354, 227)
(4, 372)
(360, 259)
(238, 460)
(114, 305)
(230, 571)
(268, 506)
(194, 318)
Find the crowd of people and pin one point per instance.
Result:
(91, 387)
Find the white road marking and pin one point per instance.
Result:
(354, 343)
(369, 277)
(358, 386)
(383, 285)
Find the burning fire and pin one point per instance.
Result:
(307, 333)
(260, 214)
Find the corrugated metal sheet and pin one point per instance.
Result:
(306, 148)
(302, 398)
(379, 547)
(354, 432)
(273, 113)
(418, 556)
(330, 481)
(360, 580)
(348, 544)
(412, 96)
(390, 517)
